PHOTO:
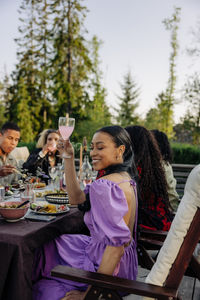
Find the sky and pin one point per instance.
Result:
(134, 39)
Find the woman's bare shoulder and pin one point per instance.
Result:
(117, 177)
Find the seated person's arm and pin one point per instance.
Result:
(112, 255)
(34, 160)
(110, 259)
(76, 195)
(6, 170)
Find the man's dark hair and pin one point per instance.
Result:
(9, 125)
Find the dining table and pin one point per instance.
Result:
(18, 244)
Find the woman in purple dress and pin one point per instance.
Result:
(110, 205)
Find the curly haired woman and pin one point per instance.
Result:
(154, 207)
(166, 153)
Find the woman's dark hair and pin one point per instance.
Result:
(148, 161)
(164, 145)
(120, 137)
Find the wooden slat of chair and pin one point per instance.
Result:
(113, 284)
(184, 167)
(181, 173)
(158, 235)
(153, 240)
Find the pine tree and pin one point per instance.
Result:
(97, 111)
(152, 119)
(55, 68)
(25, 76)
(43, 53)
(166, 105)
(71, 64)
(128, 102)
(191, 120)
(22, 112)
(3, 91)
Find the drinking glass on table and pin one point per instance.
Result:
(53, 172)
(28, 193)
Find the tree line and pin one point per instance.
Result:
(58, 72)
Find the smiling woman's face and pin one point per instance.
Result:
(104, 151)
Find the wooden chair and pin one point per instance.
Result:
(149, 244)
(153, 240)
(181, 173)
(173, 259)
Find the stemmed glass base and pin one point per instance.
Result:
(66, 156)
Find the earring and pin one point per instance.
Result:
(117, 157)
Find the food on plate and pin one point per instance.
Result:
(34, 179)
(42, 194)
(8, 193)
(39, 185)
(15, 186)
(57, 196)
(10, 189)
(47, 208)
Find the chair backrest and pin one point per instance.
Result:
(20, 153)
(181, 173)
(182, 238)
(187, 248)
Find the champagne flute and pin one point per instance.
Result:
(66, 127)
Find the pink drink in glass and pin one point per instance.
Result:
(66, 131)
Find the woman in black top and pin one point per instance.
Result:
(45, 154)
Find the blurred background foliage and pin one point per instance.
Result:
(58, 71)
(182, 153)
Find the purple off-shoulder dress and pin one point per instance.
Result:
(107, 227)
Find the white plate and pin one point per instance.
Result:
(8, 197)
(50, 214)
(39, 199)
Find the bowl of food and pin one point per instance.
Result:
(10, 212)
(39, 185)
(57, 198)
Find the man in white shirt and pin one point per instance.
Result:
(9, 138)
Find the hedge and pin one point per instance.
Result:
(185, 153)
(30, 146)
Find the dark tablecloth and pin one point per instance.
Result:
(18, 242)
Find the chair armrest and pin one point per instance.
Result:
(113, 283)
(158, 235)
(150, 244)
